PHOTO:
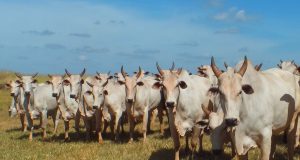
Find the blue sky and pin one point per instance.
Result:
(47, 36)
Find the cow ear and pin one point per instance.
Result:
(34, 81)
(156, 85)
(247, 89)
(105, 92)
(121, 82)
(147, 72)
(48, 82)
(18, 81)
(97, 77)
(158, 76)
(110, 77)
(298, 69)
(213, 91)
(140, 83)
(182, 85)
(82, 81)
(7, 85)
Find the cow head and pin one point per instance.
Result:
(28, 82)
(172, 84)
(14, 87)
(103, 77)
(231, 90)
(131, 84)
(56, 81)
(288, 66)
(75, 82)
(96, 93)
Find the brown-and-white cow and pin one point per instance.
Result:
(258, 105)
(185, 95)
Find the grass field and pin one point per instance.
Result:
(14, 144)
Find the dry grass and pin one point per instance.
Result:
(15, 145)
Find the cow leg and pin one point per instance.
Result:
(77, 122)
(41, 122)
(117, 125)
(187, 143)
(200, 142)
(174, 133)
(67, 125)
(99, 126)
(44, 124)
(56, 118)
(23, 123)
(87, 128)
(160, 117)
(273, 148)
(291, 136)
(131, 127)
(145, 123)
(266, 143)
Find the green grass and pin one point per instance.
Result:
(14, 144)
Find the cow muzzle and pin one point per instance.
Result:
(54, 94)
(12, 94)
(130, 100)
(170, 104)
(27, 93)
(231, 122)
(95, 107)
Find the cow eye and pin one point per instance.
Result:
(140, 83)
(182, 85)
(89, 92)
(240, 92)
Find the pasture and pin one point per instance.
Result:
(14, 143)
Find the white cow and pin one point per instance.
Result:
(68, 107)
(16, 106)
(290, 66)
(185, 94)
(258, 105)
(142, 97)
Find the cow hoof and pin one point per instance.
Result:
(100, 141)
(130, 141)
(67, 139)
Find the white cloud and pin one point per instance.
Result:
(82, 57)
(241, 15)
(221, 16)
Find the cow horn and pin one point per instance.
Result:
(139, 73)
(68, 73)
(215, 69)
(292, 62)
(226, 65)
(173, 66)
(281, 61)
(33, 76)
(257, 67)
(123, 72)
(179, 71)
(279, 66)
(108, 73)
(97, 73)
(159, 69)
(18, 75)
(49, 75)
(82, 73)
(244, 67)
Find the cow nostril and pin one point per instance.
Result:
(27, 93)
(54, 94)
(170, 104)
(72, 96)
(217, 152)
(231, 122)
(129, 100)
(95, 107)
(12, 94)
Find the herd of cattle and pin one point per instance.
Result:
(242, 105)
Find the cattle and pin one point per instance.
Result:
(142, 97)
(114, 105)
(78, 88)
(16, 106)
(68, 107)
(257, 106)
(184, 94)
(290, 66)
